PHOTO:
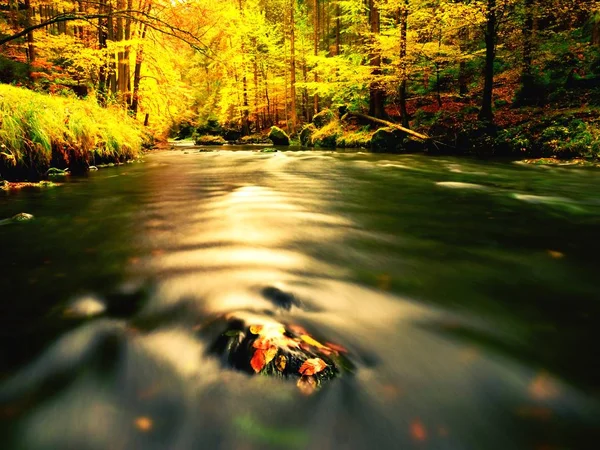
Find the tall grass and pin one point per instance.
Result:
(40, 130)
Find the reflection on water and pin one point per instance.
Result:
(464, 293)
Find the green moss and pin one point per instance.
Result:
(278, 136)
(327, 136)
(354, 139)
(323, 118)
(208, 139)
(306, 135)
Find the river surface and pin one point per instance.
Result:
(465, 293)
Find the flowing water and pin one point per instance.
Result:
(464, 292)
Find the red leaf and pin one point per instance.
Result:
(258, 361)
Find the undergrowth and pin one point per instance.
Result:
(39, 130)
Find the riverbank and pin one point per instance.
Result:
(41, 131)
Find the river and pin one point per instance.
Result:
(465, 293)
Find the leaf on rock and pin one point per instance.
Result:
(336, 347)
(270, 354)
(281, 362)
(256, 329)
(258, 361)
(262, 343)
(307, 384)
(310, 341)
(312, 366)
(143, 423)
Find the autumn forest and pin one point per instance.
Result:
(509, 77)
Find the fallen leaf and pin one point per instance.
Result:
(262, 343)
(258, 360)
(143, 423)
(417, 431)
(336, 347)
(312, 366)
(555, 254)
(281, 362)
(270, 354)
(307, 385)
(310, 341)
(256, 329)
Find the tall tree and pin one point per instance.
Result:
(486, 114)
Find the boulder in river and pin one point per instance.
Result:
(278, 136)
(306, 135)
(323, 118)
(387, 140)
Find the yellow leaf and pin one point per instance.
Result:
(256, 329)
(310, 341)
(281, 362)
(270, 354)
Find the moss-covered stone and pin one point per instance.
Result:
(209, 140)
(327, 136)
(254, 139)
(354, 139)
(387, 140)
(278, 136)
(323, 118)
(306, 135)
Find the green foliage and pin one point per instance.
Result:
(37, 129)
(354, 139)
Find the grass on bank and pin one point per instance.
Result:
(38, 131)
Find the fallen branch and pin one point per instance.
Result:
(392, 125)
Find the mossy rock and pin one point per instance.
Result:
(323, 118)
(254, 139)
(263, 346)
(278, 136)
(306, 135)
(208, 139)
(327, 136)
(387, 140)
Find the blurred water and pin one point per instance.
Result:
(466, 293)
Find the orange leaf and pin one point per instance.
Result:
(336, 347)
(307, 385)
(256, 329)
(143, 423)
(262, 343)
(312, 366)
(417, 431)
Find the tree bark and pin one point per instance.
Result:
(293, 115)
(486, 114)
(387, 123)
(403, 72)
(376, 93)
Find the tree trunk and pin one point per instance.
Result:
(293, 115)
(463, 37)
(403, 73)
(527, 79)
(30, 39)
(316, 50)
(376, 94)
(486, 114)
